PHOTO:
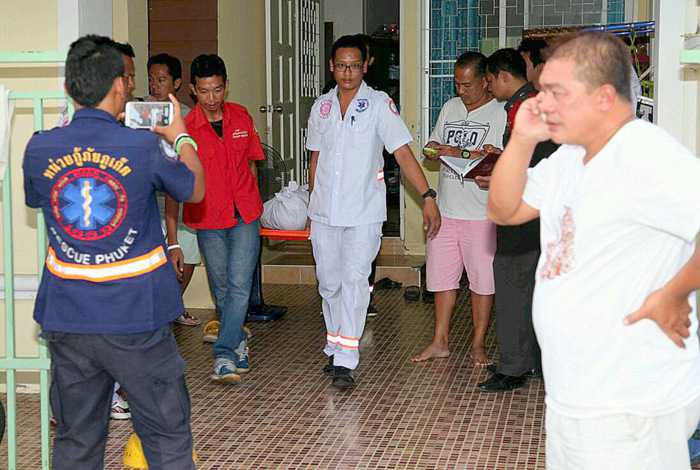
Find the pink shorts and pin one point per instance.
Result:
(462, 244)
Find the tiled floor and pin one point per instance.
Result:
(285, 414)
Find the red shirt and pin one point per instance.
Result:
(230, 185)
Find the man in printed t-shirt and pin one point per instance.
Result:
(467, 239)
(614, 306)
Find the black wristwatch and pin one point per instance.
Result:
(429, 193)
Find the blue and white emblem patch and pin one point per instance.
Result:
(362, 105)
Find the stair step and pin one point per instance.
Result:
(390, 246)
(299, 268)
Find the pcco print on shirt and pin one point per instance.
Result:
(469, 130)
(349, 188)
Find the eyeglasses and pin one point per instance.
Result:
(355, 67)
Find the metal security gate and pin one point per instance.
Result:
(11, 363)
(309, 45)
(293, 77)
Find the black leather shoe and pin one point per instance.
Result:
(502, 383)
(328, 368)
(530, 374)
(342, 378)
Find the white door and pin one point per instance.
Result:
(293, 77)
(281, 108)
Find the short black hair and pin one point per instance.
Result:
(207, 65)
(172, 63)
(368, 42)
(534, 48)
(353, 41)
(92, 64)
(125, 48)
(507, 60)
(600, 58)
(477, 60)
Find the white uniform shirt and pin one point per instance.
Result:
(613, 231)
(349, 187)
(469, 130)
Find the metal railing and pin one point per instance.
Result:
(11, 363)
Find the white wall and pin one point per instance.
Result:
(675, 86)
(347, 16)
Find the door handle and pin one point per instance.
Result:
(278, 109)
(265, 108)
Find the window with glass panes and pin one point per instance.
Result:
(456, 26)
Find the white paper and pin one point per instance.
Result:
(459, 165)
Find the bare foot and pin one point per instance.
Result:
(433, 351)
(479, 357)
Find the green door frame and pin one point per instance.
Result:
(11, 363)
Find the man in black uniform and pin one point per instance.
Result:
(517, 247)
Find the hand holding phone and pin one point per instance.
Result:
(175, 127)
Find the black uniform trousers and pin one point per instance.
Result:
(149, 367)
(514, 269)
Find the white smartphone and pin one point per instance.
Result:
(147, 114)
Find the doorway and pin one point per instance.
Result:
(378, 19)
(184, 30)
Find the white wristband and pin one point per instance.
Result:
(172, 247)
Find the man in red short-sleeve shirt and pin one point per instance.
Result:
(227, 219)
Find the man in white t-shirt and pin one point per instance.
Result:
(614, 305)
(467, 239)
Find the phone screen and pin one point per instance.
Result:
(146, 115)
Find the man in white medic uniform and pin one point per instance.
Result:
(348, 128)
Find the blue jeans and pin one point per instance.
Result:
(230, 256)
(694, 446)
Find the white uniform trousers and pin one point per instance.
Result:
(344, 258)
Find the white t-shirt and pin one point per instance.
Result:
(469, 130)
(349, 188)
(170, 151)
(613, 231)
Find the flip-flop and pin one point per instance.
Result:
(386, 283)
(481, 365)
(411, 293)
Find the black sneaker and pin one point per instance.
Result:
(328, 368)
(342, 378)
